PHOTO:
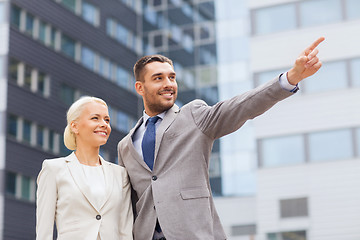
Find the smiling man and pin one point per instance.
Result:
(167, 153)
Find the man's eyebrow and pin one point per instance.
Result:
(156, 74)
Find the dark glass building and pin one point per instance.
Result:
(54, 51)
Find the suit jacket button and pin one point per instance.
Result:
(154, 178)
(98, 217)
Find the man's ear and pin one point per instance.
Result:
(74, 127)
(139, 88)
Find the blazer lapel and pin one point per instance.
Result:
(78, 175)
(166, 122)
(109, 181)
(130, 145)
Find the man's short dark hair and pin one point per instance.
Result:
(141, 63)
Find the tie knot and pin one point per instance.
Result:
(153, 120)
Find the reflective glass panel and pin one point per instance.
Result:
(27, 131)
(67, 94)
(318, 12)
(52, 37)
(70, 4)
(331, 145)
(121, 77)
(12, 125)
(121, 34)
(25, 187)
(15, 16)
(13, 69)
(88, 58)
(355, 72)
(353, 9)
(29, 26)
(11, 183)
(68, 46)
(122, 121)
(275, 19)
(331, 76)
(40, 136)
(42, 32)
(41, 82)
(27, 79)
(281, 151)
(51, 140)
(89, 13)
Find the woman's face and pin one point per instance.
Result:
(92, 128)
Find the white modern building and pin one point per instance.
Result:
(308, 146)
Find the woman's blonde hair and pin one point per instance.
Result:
(73, 114)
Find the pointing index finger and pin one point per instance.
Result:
(315, 44)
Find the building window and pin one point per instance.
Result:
(332, 76)
(13, 126)
(42, 32)
(29, 24)
(123, 35)
(243, 230)
(68, 46)
(25, 187)
(104, 67)
(332, 13)
(70, 4)
(40, 136)
(90, 13)
(26, 131)
(352, 9)
(268, 20)
(88, 58)
(330, 145)
(355, 71)
(297, 207)
(11, 183)
(29, 77)
(67, 94)
(279, 151)
(13, 69)
(122, 77)
(15, 16)
(293, 235)
(21, 187)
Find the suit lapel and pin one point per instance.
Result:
(109, 180)
(130, 145)
(78, 175)
(166, 122)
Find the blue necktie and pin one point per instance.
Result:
(148, 142)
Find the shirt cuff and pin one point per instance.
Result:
(284, 83)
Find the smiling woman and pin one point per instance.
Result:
(83, 187)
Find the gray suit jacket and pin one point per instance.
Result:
(177, 191)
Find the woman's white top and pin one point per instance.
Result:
(96, 181)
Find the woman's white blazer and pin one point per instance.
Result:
(63, 197)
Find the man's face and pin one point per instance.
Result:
(159, 88)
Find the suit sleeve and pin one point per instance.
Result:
(46, 196)
(126, 214)
(228, 116)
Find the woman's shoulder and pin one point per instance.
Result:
(54, 162)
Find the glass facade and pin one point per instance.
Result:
(281, 151)
(332, 145)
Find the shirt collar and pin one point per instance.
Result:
(160, 115)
